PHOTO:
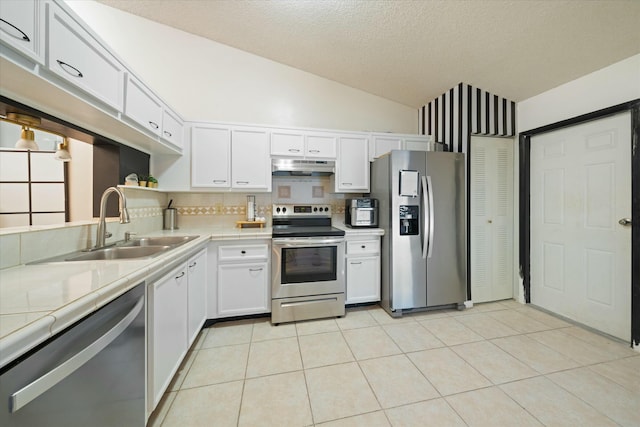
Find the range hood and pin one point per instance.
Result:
(296, 167)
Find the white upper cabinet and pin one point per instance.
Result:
(303, 145)
(142, 106)
(172, 128)
(383, 144)
(75, 56)
(21, 27)
(250, 161)
(352, 165)
(211, 156)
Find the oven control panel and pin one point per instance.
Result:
(301, 210)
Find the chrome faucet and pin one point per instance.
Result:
(102, 233)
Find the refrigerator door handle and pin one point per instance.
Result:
(425, 210)
(431, 216)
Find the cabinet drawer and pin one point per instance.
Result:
(242, 252)
(363, 247)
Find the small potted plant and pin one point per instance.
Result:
(142, 180)
(152, 182)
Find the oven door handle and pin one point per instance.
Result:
(306, 242)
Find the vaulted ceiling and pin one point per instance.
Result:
(412, 51)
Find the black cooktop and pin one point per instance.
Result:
(305, 231)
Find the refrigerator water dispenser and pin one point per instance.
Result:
(409, 217)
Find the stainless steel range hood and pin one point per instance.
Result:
(296, 167)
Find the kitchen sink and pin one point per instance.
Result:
(120, 252)
(159, 241)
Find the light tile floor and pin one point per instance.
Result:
(496, 364)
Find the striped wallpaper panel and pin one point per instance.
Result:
(463, 111)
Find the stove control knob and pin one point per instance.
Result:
(278, 209)
(326, 209)
(284, 210)
(315, 209)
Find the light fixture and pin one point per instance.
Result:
(27, 140)
(62, 153)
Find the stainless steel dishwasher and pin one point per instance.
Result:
(91, 374)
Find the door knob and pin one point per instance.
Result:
(625, 221)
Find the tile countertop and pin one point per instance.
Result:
(38, 301)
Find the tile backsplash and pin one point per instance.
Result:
(22, 245)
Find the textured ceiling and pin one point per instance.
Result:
(413, 51)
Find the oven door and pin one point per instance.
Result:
(305, 266)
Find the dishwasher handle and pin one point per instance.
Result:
(22, 397)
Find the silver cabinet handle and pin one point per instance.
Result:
(625, 221)
(293, 150)
(242, 182)
(314, 151)
(255, 269)
(347, 183)
(219, 181)
(354, 263)
(22, 397)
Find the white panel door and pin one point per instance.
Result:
(580, 254)
(491, 216)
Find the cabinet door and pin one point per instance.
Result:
(243, 289)
(363, 279)
(210, 157)
(383, 144)
(352, 166)
(168, 330)
(79, 59)
(142, 107)
(172, 129)
(197, 302)
(321, 146)
(287, 144)
(418, 143)
(250, 161)
(21, 27)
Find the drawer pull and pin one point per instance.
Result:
(242, 182)
(180, 275)
(314, 151)
(70, 69)
(193, 265)
(243, 252)
(168, 134)
(294, 150)
(154, 125)
(219, 181)
(255, 269)
(22, 36)
(347, 183)
(363, 247)
(354, 262)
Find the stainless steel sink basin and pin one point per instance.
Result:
(120, 252)
(160, 241)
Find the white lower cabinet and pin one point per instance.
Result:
(363, 269)
(240, 284)
(176, 312)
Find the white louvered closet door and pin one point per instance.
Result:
(491, 215)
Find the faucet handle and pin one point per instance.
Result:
(128, 234)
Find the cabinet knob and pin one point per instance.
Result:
(363, 247)
(243, 252)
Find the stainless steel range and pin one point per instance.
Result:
(307, 264)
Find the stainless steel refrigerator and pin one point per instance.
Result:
(422, 209)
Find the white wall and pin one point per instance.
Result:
(612, 85)
(207, 81)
